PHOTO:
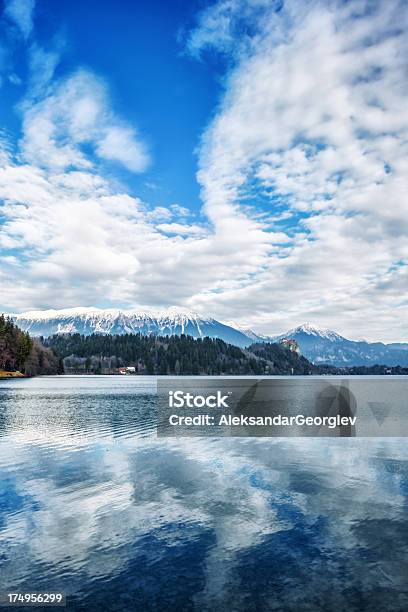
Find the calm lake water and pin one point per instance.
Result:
(94, 504)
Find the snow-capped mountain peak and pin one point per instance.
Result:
(172, 321)
(326, 346)
(316, 344)
(250, 333)
(312, 330)
(110, 313)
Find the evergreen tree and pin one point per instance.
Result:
(18, 352)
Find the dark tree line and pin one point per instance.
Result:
(173, 355)
(19, 352)
(284, 360)
(15, 346)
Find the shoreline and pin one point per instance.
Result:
(5, 374)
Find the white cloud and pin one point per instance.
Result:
(14, 79)
(120, 143)
(303, 173)
(42, 66)
(227, 25)
(81, 241)
(133, 490)
(180, 229)
(77, 112)
(314, 119)
(21, 13)
(180, 211)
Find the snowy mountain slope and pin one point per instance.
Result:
(326, 346)
(173, 321)
(249, 333)
(318, 345)
(307, 329)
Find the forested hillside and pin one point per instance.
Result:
(151, 354)
(285, 359)
(20, 353)
(172, 355)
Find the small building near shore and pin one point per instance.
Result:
(127, 370)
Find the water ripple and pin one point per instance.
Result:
(93, 503)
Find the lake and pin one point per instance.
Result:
(92, 503)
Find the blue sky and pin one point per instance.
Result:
(246, 159)
(153, 82)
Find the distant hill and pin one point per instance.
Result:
(173, 355)
(322, 346)
(184, 355)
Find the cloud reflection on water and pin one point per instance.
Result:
(92, 500)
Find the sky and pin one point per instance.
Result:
(244, 159)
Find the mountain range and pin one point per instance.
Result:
(320, 346)
(323, 346)
(86, 321)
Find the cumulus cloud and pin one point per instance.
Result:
(179, 228)
(70, 236)
(229, 26)
(314, 120)
(181, 211)
(77, 112)
(303, 174)
(79, 241)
